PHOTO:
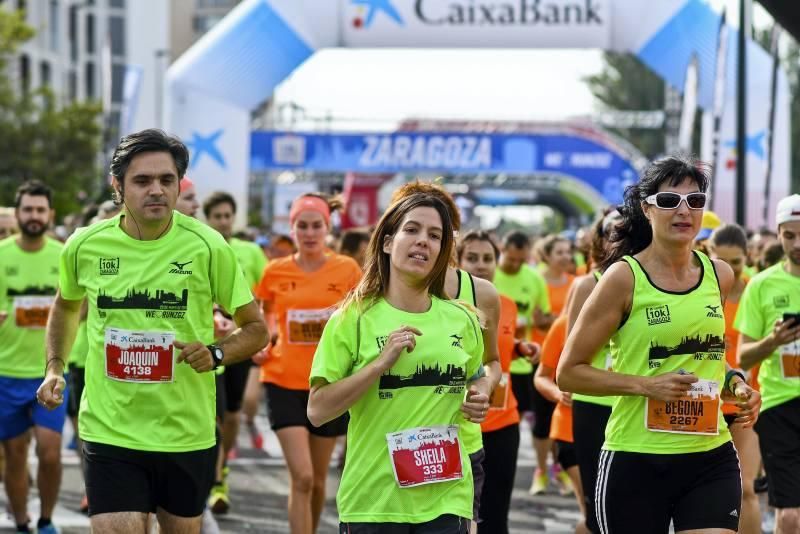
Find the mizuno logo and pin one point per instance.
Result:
(180, 268)
(457, 340)
(713, 311)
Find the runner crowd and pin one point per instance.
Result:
(655, 356)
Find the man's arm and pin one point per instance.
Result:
(754, 351)
(489, 304)
(249, 338)
(62, 325)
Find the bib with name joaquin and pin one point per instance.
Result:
(425, 455)
(697, 412)
(143, 357)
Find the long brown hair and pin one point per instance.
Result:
(375, 281)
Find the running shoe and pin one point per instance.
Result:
(540, 481)
(563, 480)
(256, 439)
(218, 501)
(49, 529)
(84, 505)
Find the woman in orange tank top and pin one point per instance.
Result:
(729, 243)
(300, 292)
(556, 253)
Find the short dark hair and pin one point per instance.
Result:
(150, 140)
(729, 235)
(215, 199)
(516, 239)
(33, 188)
(352, 239)
(477, 235)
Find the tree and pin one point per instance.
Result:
(39, 138)
(625, 83)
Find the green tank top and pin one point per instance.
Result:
(470, 432)
(601, 360)
(670, 332)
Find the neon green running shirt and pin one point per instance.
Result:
(251, 258)
(667, 332)
(766, 298)
(142, 295)
(425, 388)
(28, 282)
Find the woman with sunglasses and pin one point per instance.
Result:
(668, 455)
(405, 361)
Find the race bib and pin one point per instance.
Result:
(695, 413)
(143, 357)
(425, 455)
(499, 399)
(32, 312)
(305, 326)
(790, 360)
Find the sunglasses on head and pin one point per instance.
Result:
(670, 201)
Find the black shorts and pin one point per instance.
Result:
(639, 492)
(522, 386)
(589, 430)
(779, 439)
(478, 477)
(235, 379)
(287, 407)
(77, 381)
(219, 382)
(501, 448)
(565, 454)
(126, 480)
(444, 524)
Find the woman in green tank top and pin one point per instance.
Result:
(667, 456)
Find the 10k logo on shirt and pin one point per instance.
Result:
(658, 315)
(109, 266)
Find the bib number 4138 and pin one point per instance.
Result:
(139, 356)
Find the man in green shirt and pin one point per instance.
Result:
(769, 322)
(220, 212)
(28, 281)
(151, 276)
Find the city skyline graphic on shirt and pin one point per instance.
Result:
(145, 300)
(32, 291)
(688, 345)
(425, 376)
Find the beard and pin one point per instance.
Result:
(794, 257)
(33, 229)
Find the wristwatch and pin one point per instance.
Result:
(216, 354)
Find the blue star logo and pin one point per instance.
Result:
(754, 144)
(412, 438)
(379, 5)
(206, 144)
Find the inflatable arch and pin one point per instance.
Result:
(212, 89)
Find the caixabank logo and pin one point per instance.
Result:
(485, 12)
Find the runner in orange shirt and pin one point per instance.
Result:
(729, 244)
(561, 426)
(300, 292)
(556, 254)
(478, 255)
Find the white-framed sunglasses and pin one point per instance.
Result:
(667, 200)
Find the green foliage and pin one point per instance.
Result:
(41, 139)
(627, 84)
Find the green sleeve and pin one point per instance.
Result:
(228, 286)
(334, 357)
(259, 262)
(542, 295)
(68, 274)
(750, 319)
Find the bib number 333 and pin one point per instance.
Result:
(425, 455)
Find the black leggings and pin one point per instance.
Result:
(589, 431)
(500, 465)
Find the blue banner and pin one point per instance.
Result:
(582, 158)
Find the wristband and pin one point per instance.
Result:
(730, 374)
(479, 374)
(51, 360)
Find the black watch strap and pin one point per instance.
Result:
(216, 354)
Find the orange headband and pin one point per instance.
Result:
(186, 183)
(308, 203)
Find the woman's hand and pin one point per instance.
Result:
(476, 402)
(402, 338)
(668, 387)
(747, 399)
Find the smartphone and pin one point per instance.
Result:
(793, 317)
